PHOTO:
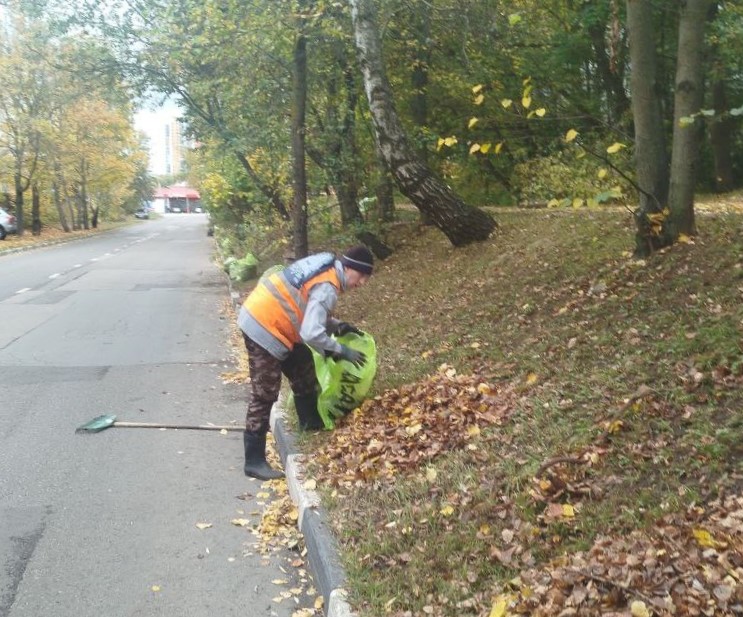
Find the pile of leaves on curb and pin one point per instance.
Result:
(688, 564)
(407, 427)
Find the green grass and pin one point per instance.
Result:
(553, 307)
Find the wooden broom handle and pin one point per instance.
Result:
(200, 427)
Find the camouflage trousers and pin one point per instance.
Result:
(265, 381)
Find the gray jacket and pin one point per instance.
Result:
(317, 321)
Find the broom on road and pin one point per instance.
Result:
(107, 421)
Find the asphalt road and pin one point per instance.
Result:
(132, 323)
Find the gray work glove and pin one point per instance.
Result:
(357, 358)
(344, 328)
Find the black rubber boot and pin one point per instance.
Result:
(255, 458)
(309, 417)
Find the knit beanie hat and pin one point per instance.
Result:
(358, 258)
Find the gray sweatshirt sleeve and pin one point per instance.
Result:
(320, 304)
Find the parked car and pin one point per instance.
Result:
(7, 224)
(142, 213)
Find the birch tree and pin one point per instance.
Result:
(460, 222)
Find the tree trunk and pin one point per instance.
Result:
(419, 83)
(299, 212)
(19, 190)
(612, 81)
(651, 158)
(35, 210)
(721, 133)
(460, 222)
(385, 193)
(688, 101)
(83, 195)
(57, 184)
(271, 193)
(341, 123)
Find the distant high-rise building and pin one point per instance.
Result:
(167, 145)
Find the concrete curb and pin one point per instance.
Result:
(322, 551)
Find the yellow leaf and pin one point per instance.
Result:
(479, 99)
(240, 522)
(577, 202)
(484, 388)
(568, 511)
(474, 148)
(203, 525)
(155, 588)
(602, 173)
(476, 89)
(552, 203)
(439, 143)
(484, 529)
(447, 510)
(500, 606)
(615, 147)
(571, 135)
(526, 102)
(684, 239)
(638, 609)
(485, 148)
(471, 123)
(506, 103)
(498, 147)
(412, 430)
(545, 484)
(616, 426)
(531, 378)
(473, 431)
(541, 111)
(705, 539)
(450, 141)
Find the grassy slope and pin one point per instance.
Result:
(622, 382)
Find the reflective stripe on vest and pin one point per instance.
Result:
(279, 307)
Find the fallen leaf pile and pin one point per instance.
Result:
(406, 427)
(687, 564)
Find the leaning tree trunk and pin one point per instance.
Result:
(271, 193)
(460, 222)
(687, 101)
(651, 158)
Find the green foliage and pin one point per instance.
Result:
(564, 176)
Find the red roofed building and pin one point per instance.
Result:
(176, 198)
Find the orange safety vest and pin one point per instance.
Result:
(279, 307)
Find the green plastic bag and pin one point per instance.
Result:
(343, 387)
